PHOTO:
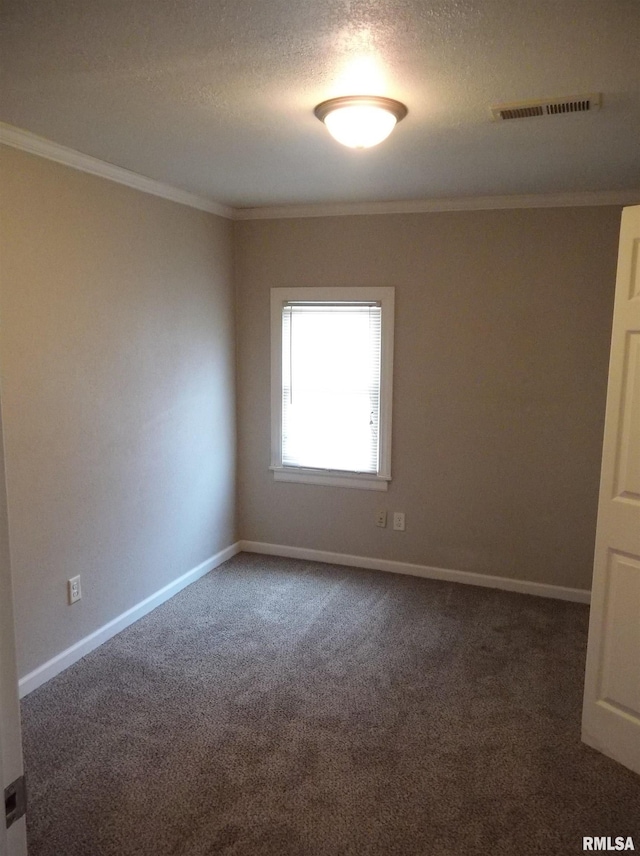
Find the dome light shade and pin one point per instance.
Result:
(360, 121)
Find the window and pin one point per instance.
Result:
(331, 385)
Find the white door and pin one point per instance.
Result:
(13, 841)
(611, 713)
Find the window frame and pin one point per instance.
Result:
(336, 294)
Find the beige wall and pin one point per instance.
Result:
(118, 368)
(503, 322)
(118, 371)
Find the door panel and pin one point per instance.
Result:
(13, 841)
(628, 468)
(611, 713)
(619, 684)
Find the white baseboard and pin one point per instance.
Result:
(466, 577)
(71, 655)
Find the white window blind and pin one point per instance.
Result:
(331, 385)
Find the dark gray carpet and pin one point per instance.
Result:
(291, 708)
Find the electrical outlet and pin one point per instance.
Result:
(75, 592)
(398, 521)
(381, 519)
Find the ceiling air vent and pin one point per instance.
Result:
(547, 107)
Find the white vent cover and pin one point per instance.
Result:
(547, 107)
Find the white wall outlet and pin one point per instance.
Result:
(75, 592)
(398, 521)
(381, 519)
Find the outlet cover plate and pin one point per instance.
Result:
(74, 590)
(398, 521)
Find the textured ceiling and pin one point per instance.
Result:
(217, 96)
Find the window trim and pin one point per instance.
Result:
(338, 478)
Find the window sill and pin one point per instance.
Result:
(332, 478)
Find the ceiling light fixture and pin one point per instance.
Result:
(360, 121)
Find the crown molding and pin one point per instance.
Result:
(425, 206)
(28, 142)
